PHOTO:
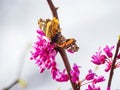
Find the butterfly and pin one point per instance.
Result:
(49, 27)
(69, 44)
(53, 32)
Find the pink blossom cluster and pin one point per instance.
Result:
(94, 79)
(75, 72)
(91, 78)
(105, 56)
(44, 54)
(59, 76)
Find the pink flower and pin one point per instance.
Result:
(108, 50)
(108, 88)
(98, 79)
(93, 87)
(108, 66)
(98, 58)
(59, 76)
(106, 58)
(44, 52)
(95, 79)
(90, 75)
(44, 55)
(75, 73)
(118, 56)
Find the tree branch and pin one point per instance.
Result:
(113, 64)
(61, 50)
(53, 9)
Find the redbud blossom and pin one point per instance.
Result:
(93, 87)
(75, 73)
(98, 58)
(108, 66)
(44, 54)
(94, 79)
(108, 50)
(98, 79)
(118, 56)
(59, 76)
(90, 75)
(108, 88)
(104, 57)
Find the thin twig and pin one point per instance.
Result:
(61, 50)
(113, 64)
(14, 83)
(20, 69)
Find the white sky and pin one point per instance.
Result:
(92, 23)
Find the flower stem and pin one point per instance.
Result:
(86, 83)
(113, 64)
(61, 50)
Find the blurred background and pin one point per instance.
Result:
(92, 23)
